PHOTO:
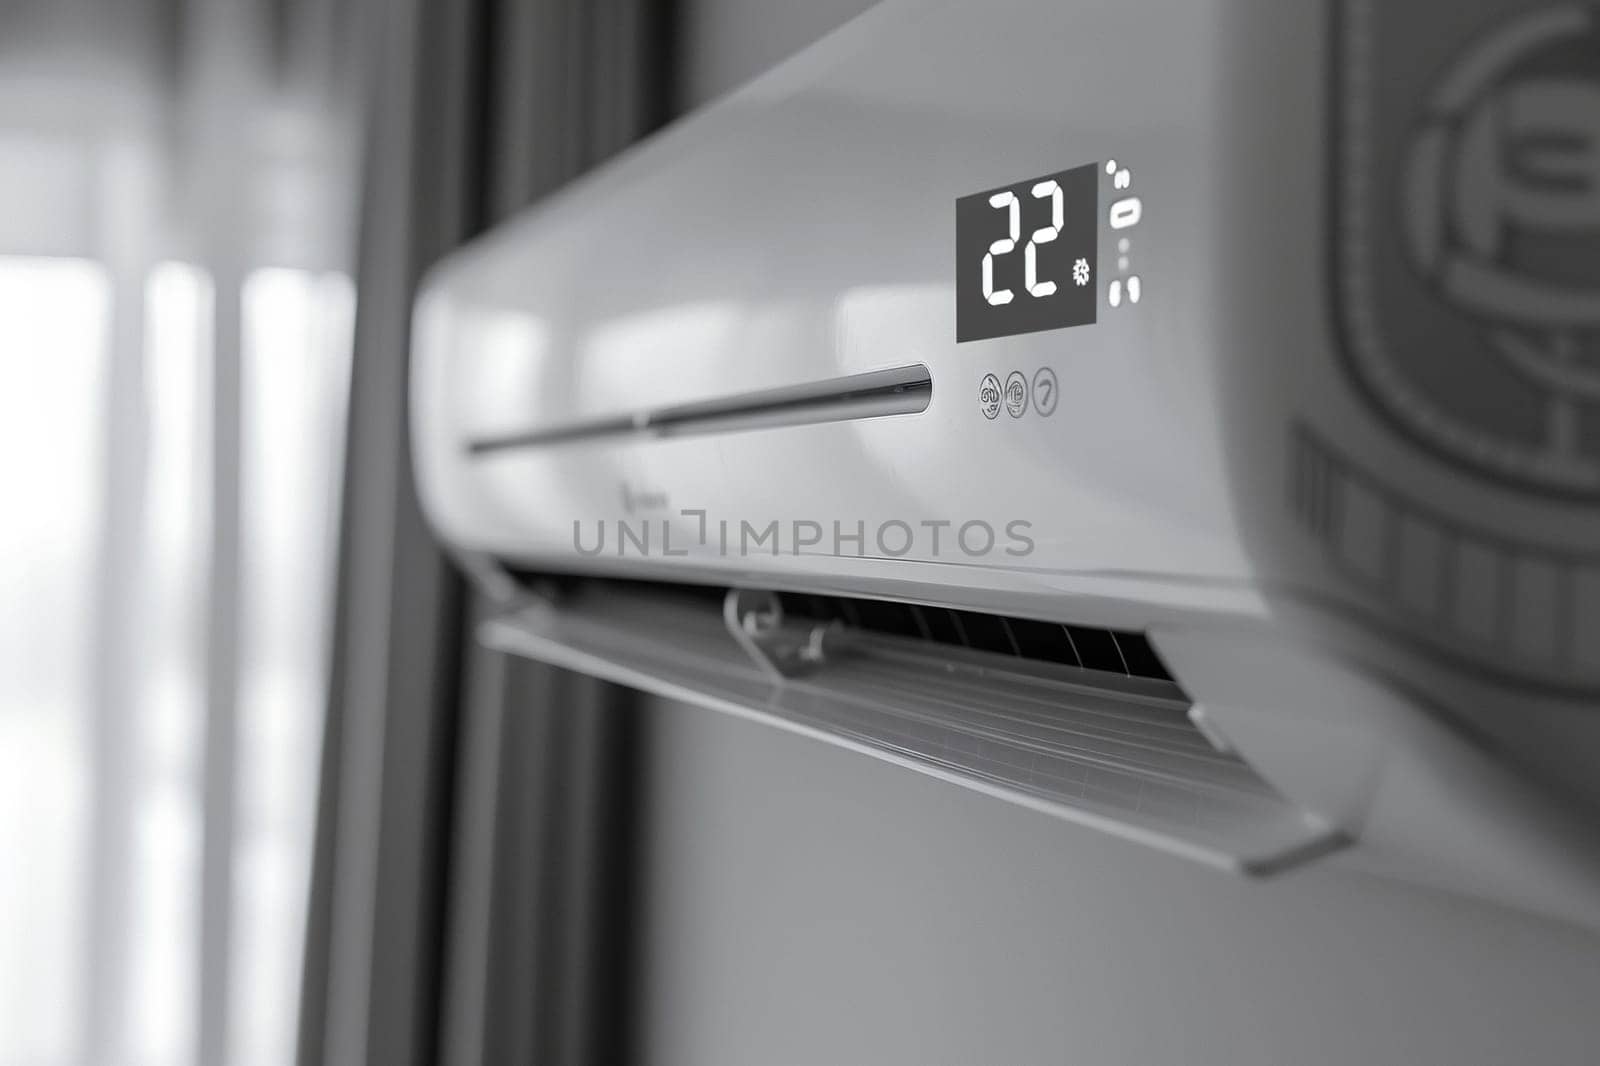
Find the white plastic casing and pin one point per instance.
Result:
(803, 230)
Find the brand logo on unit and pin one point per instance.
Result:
(1472, 304)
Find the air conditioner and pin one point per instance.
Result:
(1180, 416)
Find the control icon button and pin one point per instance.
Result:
(1126, 212)
(1016, 394)
(989, 396)
(1044, 392)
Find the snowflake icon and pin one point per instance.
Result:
(1080, 272)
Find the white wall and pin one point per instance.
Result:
(809, 905)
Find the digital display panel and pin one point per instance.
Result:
(1025, 255)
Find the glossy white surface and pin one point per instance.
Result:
(803, 230)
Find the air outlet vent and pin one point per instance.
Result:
(1112, 651)
(1118, 652)
(1075, 720)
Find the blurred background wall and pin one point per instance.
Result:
(175, 325)
(230, 653)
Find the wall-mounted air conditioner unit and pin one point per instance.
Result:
(1177, 415)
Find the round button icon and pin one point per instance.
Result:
(989, 396)
(1016, 394)
(1044, 392)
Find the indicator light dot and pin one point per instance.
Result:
(1111, 166)
(1123, 179)
(1115, 295)
(1123, 245)
(1135, 289)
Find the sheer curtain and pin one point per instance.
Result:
(469, 906)
(175, 326)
